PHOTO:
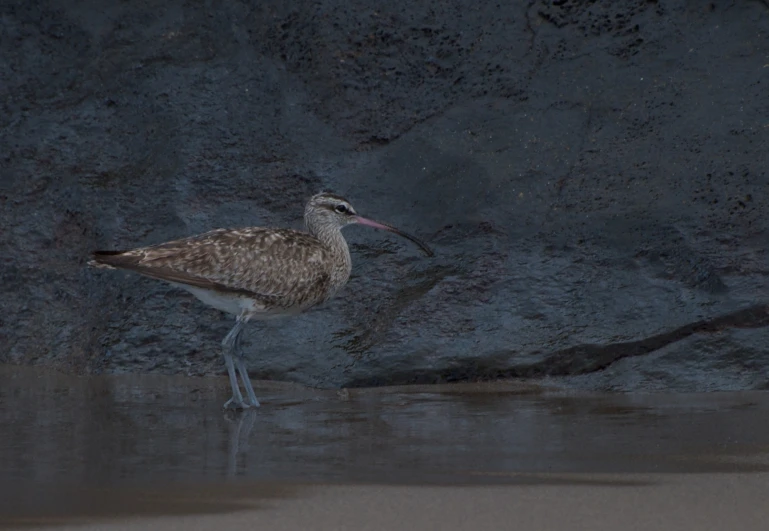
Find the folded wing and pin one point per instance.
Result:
(279, 267)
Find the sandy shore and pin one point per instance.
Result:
(664, 502)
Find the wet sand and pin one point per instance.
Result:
(157, 452)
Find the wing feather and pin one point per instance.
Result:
(282, 267)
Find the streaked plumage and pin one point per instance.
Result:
(255, 272)
(279, 269)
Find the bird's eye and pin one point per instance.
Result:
(342, 209)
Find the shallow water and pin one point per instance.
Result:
(81, 444)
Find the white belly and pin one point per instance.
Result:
(232, 303)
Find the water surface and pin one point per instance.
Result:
(83, 445)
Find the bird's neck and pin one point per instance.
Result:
(331, 237)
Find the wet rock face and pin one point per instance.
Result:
(591, 175)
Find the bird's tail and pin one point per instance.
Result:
(105, 259)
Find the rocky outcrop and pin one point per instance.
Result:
(591, 175)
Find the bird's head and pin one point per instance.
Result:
(329, 211)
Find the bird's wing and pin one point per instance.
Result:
(276, 265)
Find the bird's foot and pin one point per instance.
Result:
(235, 403)
(253, 402)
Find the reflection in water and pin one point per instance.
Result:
(107, 430)
(242, 423)
(77, 448)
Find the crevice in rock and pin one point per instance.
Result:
(579, 359)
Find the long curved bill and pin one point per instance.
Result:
(390, 228)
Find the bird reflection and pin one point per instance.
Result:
(241, 423)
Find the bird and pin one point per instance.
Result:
(256, 273)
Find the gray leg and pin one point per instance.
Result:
(241, 364)
(236, 402)
(230, 347)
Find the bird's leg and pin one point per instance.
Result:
(229, 346)
(241, 364)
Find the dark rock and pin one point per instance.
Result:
(592, 176)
